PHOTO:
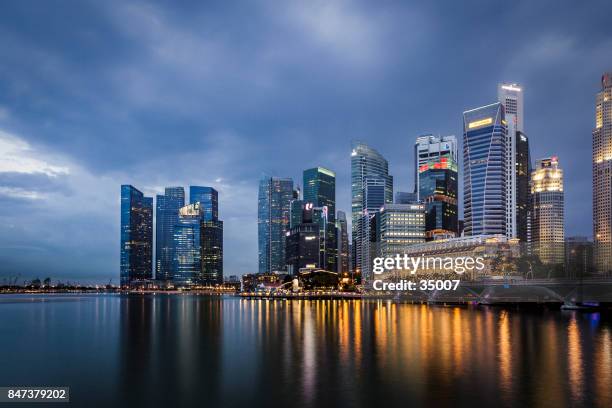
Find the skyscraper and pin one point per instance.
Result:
(209, 199)
(365, 163)
(187, 243)
(438, 190)
(372, 202)
(485, 167)
(303, 247)
(274, 200)
(511, 97)
(602, 180)
(211, 241)
(320, 189)
(343, 244)
(320, 193)
(522, 181)
(429, 148)
(547, 224)
(167, 216)
(136, 235)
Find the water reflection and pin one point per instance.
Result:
(169, 350)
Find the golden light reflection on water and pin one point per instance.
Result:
(603, 371)
(519, 358)
(574, 356)
(505, 355)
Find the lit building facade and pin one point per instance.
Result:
(498, 252)
(136, 255)
(399, 226)
(274, 202)
(211, 241)
(438, 190)
(366, 162)
(302, 247)
(547, 223)
(602, 178)
(510, 95)
(485, 166)
(187, 244)
(429, 148)
(167, 216)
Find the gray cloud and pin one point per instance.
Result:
(160, 93)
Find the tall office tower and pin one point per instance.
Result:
(167, 215)
(209, 199)
(547, 224)
(187, 243)
(511, 97)
(328, 238)
(373, 200)
(136, 236)
(399, 226)
(602, 177)
(404, 197)
(522, 181)
(302, 247)
(484, 163)
(320, 189)
(429, 148)
(296, 210)
(211, 241)
(438, 189)
(343, 244)
(274, 200)
(365, 162)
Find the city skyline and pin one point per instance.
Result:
(61, 134)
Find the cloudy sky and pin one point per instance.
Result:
(94, 94)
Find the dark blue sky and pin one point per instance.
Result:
(96, 94)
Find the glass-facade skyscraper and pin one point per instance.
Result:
(372, 202)
(208, 197)
(320, 189)
(343, 243)
(602, 182)
(211, 241)
(485, 156)
(320, 192)
(167, 217)
(438, 190)
(366, 162)
(522, 179)
(274, 202)
(188, 254)
(428, 148)
(136, 255)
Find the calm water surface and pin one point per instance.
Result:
(189, 350)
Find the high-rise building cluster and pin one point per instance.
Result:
(508, 204)
(188, 237)
(301, 230)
